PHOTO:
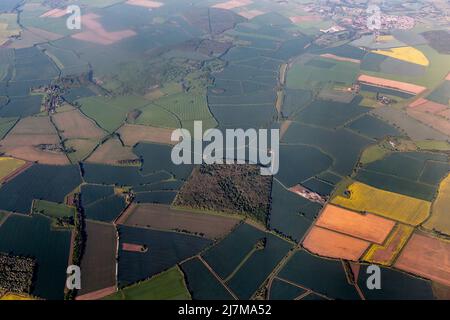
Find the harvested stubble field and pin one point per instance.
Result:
(73, 124)
(165, 218)
(327, 243)
(364, 198)
(132, 134)
(24, 139)
(426, 256)
(368, 227)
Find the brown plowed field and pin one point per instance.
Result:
(165, 218)
(368, 227)
(426, 256)
(98, 265)
(331, 244)
(381, 82)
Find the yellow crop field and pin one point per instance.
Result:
(391, 205)
(9, 165)
(386, 254)
(440, 213)
(408, 54)
(15, 296)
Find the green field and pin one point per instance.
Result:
(110, 113)
(168, 285)
(52, 209)
(303, 76)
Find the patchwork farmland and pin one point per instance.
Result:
(86, 171)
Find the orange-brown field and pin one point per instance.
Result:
(426, 256)
(391, 84)
(165, 218)
(368, 227)
(232, 4)
(54, 13)
(445, 114)
(145, 3)
(25, 138)
(97, 34)
(132, 134)
(111, 152)
(424, 105)
(73, 124)
(386, 254)
(96, 295)
(250, 14)
(131, 247)
(300, 19)
(331, 244)
(338, 58)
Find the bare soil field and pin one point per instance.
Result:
(338, 58)
(73, 124)
(98, 265)
(300, 19)
(445, 114)
(132, 134)
(25, 138)
(111, 152)
(54, 13)
(96, 295)
(165, 218)
(331, 244)
(97, 33)
(250, 14)
(436, 122)
(424, 105)
(232, 4)
(426, 256)
(145, 3)
(131, 247)
(368, 227)
(381, 82)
